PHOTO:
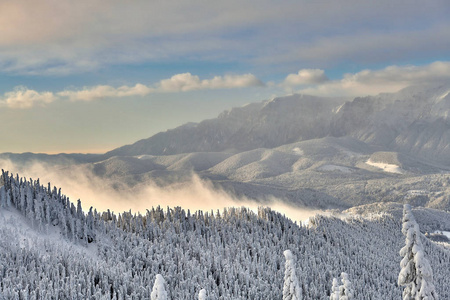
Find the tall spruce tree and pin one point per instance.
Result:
(346, 291)
(416, 274)
(291, 288)
(202, 294)
(335, 290)
(159, 289)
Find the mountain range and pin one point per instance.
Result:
(412, 121)
(305, 150)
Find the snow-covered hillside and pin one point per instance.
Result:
(51, 249)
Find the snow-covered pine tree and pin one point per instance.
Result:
(202, 294)
(335, 290)
(416, 274)
(346, 291)
(291, 288)
(159, 289)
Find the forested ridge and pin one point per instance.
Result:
(51, 249)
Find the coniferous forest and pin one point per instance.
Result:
(51, 249)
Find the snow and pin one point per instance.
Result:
(331, 168)
(27, 237)
(417, 192)
(443, 95)
(446, 233)
(202, 295)
(159, 290)
(298, 151)
(389, 168)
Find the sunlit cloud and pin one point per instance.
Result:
(307, 81)
(304, 77)
(389, 79)
(106, 91)
(188, 82)
(22, 97)
(194, 193)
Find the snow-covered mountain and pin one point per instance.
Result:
(414, 121)
(304, 150)
(258, 125)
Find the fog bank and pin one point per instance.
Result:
(79, 182)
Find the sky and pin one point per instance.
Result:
(87, 76)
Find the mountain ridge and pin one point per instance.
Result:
(393, 121)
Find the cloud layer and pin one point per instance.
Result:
(371, 82)
(22, 97)
(62, 37)
(306, 81)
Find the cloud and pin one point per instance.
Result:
(389, 79)
(52, 37)
(106, 91)
(368, 46)
(305, 76)
(188, 82)
(22, 97)
(315, 82)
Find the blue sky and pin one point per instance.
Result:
(88, 76)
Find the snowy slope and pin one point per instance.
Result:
(235, 255)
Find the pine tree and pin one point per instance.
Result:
(335, 290)
(416, 274)
(346, 291)
(291, 288)
(159, 289)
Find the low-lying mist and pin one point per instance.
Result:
(79, 182)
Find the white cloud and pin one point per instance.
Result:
(305, 76)
(366, 82)
(389, 79)
(22, 97)
(178, 83)
(106, 91)
(188, 82)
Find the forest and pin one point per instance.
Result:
(52, 249)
